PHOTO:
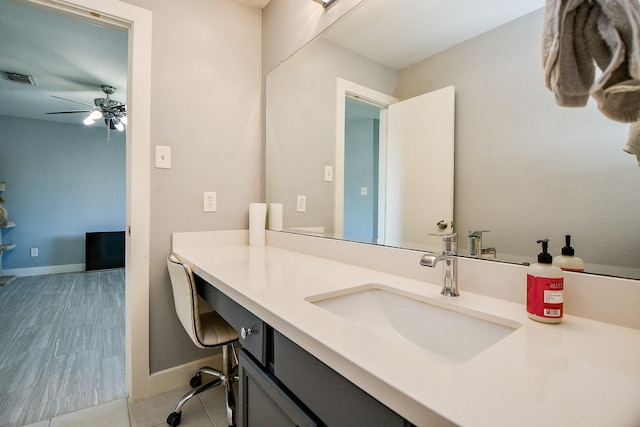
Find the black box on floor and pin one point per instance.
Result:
(104, 249)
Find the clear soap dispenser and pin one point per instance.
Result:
(545, 284)
(568, 261)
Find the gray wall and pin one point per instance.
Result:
(62, 181)
(206, 88)
(301, 120)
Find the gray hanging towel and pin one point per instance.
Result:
(569, 68)
(578, 33)
(617, 89)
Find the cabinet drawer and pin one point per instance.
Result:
(333, 398)
(238, 317)
(253, 335)
(263, 403)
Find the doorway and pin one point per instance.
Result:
(360, 101)
(138, 23)
(362, 183)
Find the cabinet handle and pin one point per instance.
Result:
(245, 332)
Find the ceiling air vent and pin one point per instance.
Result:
(19, 78)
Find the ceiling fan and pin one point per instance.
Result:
(113, 112)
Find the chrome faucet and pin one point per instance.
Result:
(475, 245)
(449, 255)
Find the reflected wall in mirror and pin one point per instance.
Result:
(524, 168)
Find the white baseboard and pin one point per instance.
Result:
(49, 269)
(179, 376)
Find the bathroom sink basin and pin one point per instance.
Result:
(450, 333)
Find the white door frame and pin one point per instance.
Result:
(344, 89)
(137, 21)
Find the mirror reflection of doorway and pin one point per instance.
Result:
(394, 166)
(362, 170)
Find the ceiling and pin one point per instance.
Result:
(67, 57)
(438, 24)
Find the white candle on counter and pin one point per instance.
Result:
(257, 220)
(275, 216)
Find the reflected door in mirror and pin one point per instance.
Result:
(420, 168)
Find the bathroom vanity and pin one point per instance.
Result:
(316, 351)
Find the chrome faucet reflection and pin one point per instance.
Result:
(449, 255)
(475, 245)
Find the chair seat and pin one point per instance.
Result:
(215, 330)
(206, 330)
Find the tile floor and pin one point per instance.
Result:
(62, 345)
(58, 331)
(204, 410)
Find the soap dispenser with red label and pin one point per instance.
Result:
(545, 284)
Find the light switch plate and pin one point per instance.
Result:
(209, 201)
(328, 173)
(163, 157)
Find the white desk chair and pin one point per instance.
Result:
(206, 330)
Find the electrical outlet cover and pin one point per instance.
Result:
(301, 203)
(209, 201)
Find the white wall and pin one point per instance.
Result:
(206, 89)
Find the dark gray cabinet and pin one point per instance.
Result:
(253, 338)
(263, 403)
(281, 384)
(333, 398)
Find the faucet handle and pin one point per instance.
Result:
(446, 236)
(477, 233)
(475, 242)
(449, 242)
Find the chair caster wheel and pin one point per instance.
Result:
(196, 381)
(174, 418)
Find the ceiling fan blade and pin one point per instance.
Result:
(69, 112)
(70, 100)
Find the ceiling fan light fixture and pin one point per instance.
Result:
(112, 112)
(95, 115)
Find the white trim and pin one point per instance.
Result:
(138, 22)
(47, 269)
(178, 376)
(344, 89)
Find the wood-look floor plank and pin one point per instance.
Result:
(61, 344)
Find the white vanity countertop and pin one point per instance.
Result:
(578, 373)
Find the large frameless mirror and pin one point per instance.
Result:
(523, 167)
